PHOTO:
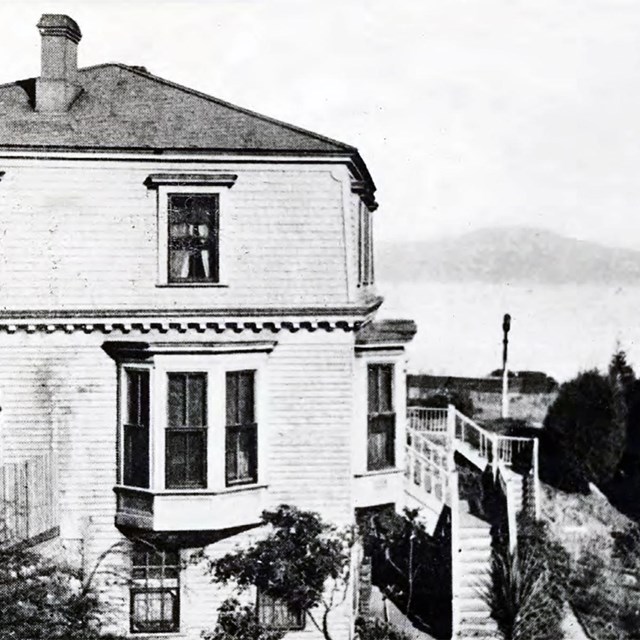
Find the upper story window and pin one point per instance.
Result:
(192, 243)
(193, 251)
(381, 417)
(155, 590)
(365, 246)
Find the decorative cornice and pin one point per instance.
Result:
(154, 180)
(364, 190)
(124, 321)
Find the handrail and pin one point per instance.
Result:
(426, 465)
(512, 516)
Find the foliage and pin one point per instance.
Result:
(528, 587)
(373, 629)
(411, 567)
(40, 599)
(607, 608)
(441, 399)
(584, 434)
(303, 561)
(239, 622)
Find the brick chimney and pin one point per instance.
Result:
(57, 87)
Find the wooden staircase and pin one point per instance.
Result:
(434, 439)
(473, 559)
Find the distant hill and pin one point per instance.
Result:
(508, 254)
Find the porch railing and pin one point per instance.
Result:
(428, 420)
(426, 465)
(28, 500)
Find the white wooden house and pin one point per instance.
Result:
(182, 284)
(188, 337)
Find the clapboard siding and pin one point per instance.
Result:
(84, 235)
(61, 389)
(310, 400)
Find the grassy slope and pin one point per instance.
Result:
(584, 523)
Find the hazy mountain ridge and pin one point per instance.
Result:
(508, 254)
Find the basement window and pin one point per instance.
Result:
(155, 590)
(275, 613)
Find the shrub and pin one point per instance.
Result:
(528, 587)
(40, 600)
(239, 622)
(412, 568)
(461, 399)
(372, 629)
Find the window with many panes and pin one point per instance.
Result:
(241, 433)
(275, 613)
(193, 251)
(186, 432)
(135, 450)
(381, 417)
(155, 590)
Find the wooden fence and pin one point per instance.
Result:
(28, 500)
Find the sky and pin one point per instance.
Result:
(468, 113)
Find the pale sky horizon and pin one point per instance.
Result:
(468, 114)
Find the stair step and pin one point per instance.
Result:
(470, 591)
(478, 623)
(475, 542)
(473, 565)
(475, 607)
(477, 581)
(474, 532)
(475, 554)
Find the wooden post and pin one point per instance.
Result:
(536, 478)
(506, 325)
(455, 553)
(451, 433)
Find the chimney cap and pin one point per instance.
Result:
(57, 24)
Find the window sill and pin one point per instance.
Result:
(379, 472)
(192, 492)
(192, 285)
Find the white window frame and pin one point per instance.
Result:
(225, 248)
(215, 366)
(363, 360)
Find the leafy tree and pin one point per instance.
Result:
(239, 622)
(302, 560)
(584, 431)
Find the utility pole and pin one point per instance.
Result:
(506, 325)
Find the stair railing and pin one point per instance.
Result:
(426, 465)
(512, 516)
